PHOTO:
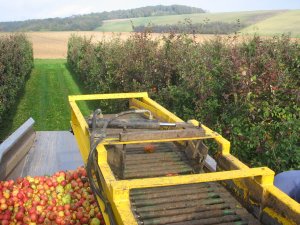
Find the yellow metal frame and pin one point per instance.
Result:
(260, 180)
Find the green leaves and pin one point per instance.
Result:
(16, 63)
(247, 89)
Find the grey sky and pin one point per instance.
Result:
(36, 9)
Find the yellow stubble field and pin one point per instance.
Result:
(49, 45)
(53, 45)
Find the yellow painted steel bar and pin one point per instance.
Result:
(156, 112)
(108, 96)
(235, 162)
(79, 116)
(80, 129)
(161, 112)
(224, 145)
(124, 215)
(288, 203)
(121, 206)
(266, 177)
(107, 178)
(285, 199)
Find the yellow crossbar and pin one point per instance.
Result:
(108, 96)
(266, 175)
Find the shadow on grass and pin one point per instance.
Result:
(107, 106)
(90, 104)
(9, 125)
(76, 79)
(6, 127)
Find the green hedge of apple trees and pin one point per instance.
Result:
(16, 63)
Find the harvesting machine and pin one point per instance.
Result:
(147, 166)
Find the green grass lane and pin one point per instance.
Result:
(45, 98)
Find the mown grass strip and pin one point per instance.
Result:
(45, 98)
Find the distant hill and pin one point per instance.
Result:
(286, 22)
(169, 18)
(94, 20)
(246, 18)
(267, 22)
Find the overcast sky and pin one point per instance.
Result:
(11, 10)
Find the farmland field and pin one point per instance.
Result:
(125, 25)
(53, 45)
(287, 22)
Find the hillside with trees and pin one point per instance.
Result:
(93, 20)
(197, 28)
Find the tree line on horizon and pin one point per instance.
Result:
(92, 21)
(207, 27)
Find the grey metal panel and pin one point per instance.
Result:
(14, 149)
(52, 151)
(15, 137)
(210, 163)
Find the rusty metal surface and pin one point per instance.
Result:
(114, 133)
(138, 124)
(161, 134)
(156, 173)
(225, 218)
(175, 212)
(152, 156)
(175, 192)
(204, 203)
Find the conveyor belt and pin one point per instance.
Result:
(165, 160)
(204, 203)
(193, 204)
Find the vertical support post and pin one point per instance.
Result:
(224, 145)
(264, 181)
